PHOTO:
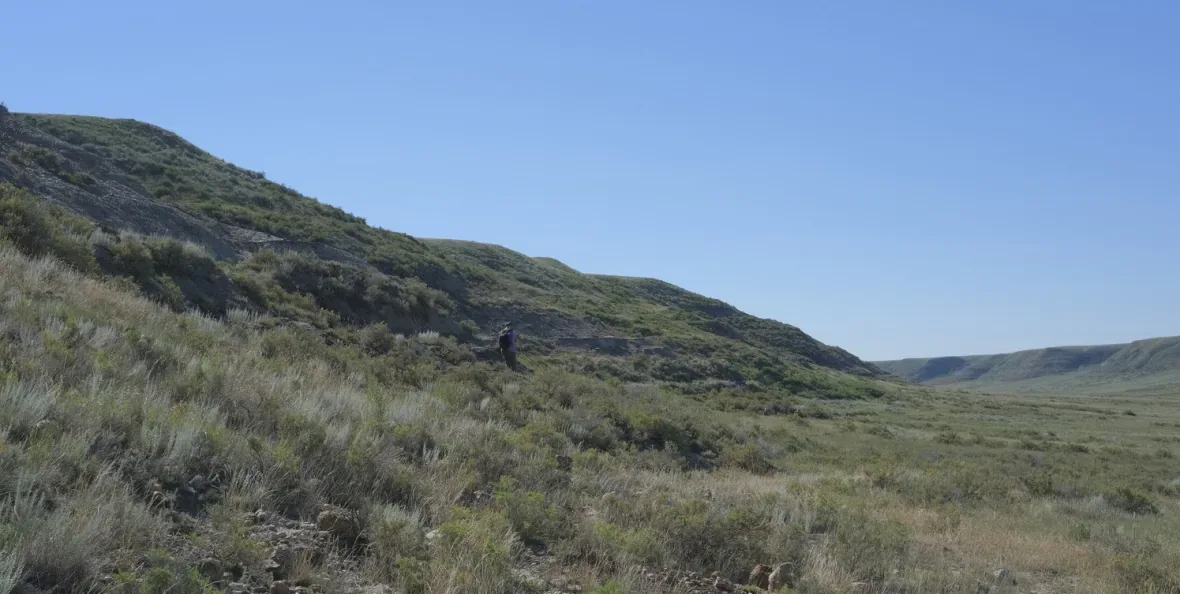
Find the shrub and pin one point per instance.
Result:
(475, 554)
(533, 518)
(169, 293)
(540, 434)
(1137, 574)
(81, 179)
(949, 482)
(23, 405)
(53, 163)
(376, 339)
(412, 574)
(43, 158)
(132, 258)
(608, 544)
(649, 430)
(746, 457)
(38, 229)
(173, 257)
(1036, 446)
(1040, 484)
(657, 531)
(869, 547)
(166, 580)
(1081, 532)
(949, 438)
(392, 532)
(159, 266)
(232, 541)
(1132, 501)
(59, 546)
(413, 439)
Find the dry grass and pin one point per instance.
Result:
(11, 571)
(105, 395)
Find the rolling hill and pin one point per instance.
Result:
(211, 384)
(1148, 362)
(273, 251)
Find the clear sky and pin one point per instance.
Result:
(897, 178)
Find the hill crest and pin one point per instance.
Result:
(125, 175)
(1152, 360)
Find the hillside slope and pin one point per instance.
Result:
(129, 176)
(149, 451)
(256, 426)
(1143, 362)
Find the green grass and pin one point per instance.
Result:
(104, 393)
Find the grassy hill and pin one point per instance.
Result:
(1141, 363)
(279, 252)
(189, 406)
(146, 450)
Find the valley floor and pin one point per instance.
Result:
(148, 451)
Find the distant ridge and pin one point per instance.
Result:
(1154, 360)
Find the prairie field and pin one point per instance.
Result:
(141, 445)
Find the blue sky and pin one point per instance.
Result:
(897, 178)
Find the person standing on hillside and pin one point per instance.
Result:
(508, 338)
